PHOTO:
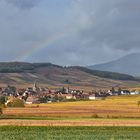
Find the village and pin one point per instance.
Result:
(37, 95)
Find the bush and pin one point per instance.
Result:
(2, 100)
(95, 116)
(16, 103)
(1, 111)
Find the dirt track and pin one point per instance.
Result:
(85, 122)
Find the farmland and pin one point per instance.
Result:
(112, 111)
(111, 107)
(69, 133)
(69, 122)
(114, 118)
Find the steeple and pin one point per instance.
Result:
(35, 88)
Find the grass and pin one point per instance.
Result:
(84, 120)
(113, 111)
(69, 133)
(112, 107)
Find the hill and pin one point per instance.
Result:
(54, 75)
(128, 64)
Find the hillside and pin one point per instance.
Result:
(128, 64)
(54, 75)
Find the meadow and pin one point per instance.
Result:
(69, 133)
(111, 107)
(114, 118)
(112, 111)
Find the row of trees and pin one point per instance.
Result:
(2, 103)
(55, 98)
(15, 102)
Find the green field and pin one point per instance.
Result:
(69, 133)
(115, 118)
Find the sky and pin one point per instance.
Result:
(68, 32)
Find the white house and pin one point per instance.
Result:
(32, 100)
(125, 92)
(134, 92)
(92, 97)
(69, 96)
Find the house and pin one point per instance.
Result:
(69, 96)
(97, 96)
(9, 90)
(125, 92)
(85, 95)
(134, 92)
(32, 100)
(92, 97)
(113, 93)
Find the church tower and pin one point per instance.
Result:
(35, 87)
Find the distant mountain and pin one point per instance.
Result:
(54, 75)
(129, 64)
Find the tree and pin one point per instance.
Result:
(1, 111)
(119, 91)
(63, 90)
(58, 98)
(67, 81)
(2, 103)
(138, 103)
(44, 99)
(16, 103)
(2, 100)
(113, 90)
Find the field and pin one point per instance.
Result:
(113, 111)
(69, 133)
(111, 107)
(114, 118)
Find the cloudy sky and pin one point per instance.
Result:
(68, 32)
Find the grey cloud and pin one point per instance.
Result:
(95, 31)
(115, 24)
(24, 4)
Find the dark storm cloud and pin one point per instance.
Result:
(115, 24)
(83, 31)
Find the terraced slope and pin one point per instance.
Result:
(49, 74)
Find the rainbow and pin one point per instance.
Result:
(24, 55)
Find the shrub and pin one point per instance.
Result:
(2, 100)
(95, 116)
(138, 103)
(1, 111)
(16, 103)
